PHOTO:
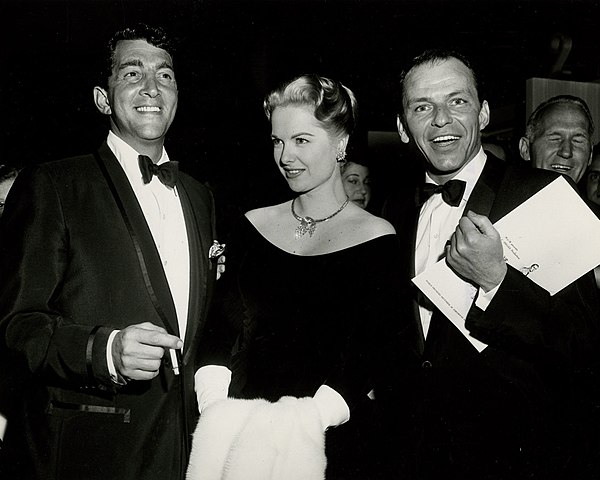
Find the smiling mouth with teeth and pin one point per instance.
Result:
(445, 138)
(562, 168)
(148, 109)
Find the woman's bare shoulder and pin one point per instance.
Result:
(377, 226)
(262, 215)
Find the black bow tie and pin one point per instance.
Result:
(452, 192)
(166, 172)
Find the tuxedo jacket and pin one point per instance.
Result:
(511, 410)
(77, 262)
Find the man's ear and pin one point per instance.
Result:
(101, 100)
(484, 115)
(524, 149)
(401, 130)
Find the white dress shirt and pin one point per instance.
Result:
(162, 209)
(163, 212)
(437, 222)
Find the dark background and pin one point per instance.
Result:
(233, 52)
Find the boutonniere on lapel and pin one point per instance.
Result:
(215, 252)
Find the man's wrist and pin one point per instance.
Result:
(116, 378)
(494, 283)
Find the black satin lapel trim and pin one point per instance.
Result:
(198, 234)
(420, 340)
(163, 304)
(413, 222)
(412, 252)
(484, 194)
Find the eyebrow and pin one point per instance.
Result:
(561, 130)
(450, 95)
(138, 63)
(165, 64)
(295, 135)
(300, 134)
(130, 63)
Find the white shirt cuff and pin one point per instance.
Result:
(109, 358)
(332, 407)
(3, 423)
(211, 383)
(484, 299)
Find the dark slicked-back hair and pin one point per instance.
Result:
(535, 119)
(335, 105)
(155, 36)
(432, 57)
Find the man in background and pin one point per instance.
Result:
(558, 136)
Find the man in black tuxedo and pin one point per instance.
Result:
(503, 412)
(106, 281)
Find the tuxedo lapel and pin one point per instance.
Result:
(411, 251)
(402, 211)
(198, 226)
(143, 242)
(519, 184)
(484, 193)
(503, 187)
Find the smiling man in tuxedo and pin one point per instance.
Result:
(106, 280)
(498, 413)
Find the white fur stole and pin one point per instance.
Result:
(259, 440)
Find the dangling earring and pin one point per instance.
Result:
(340, 157)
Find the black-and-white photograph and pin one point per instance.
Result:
(300, 240)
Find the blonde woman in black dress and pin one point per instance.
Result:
(314, 282)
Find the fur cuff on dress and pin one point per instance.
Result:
(259, 440)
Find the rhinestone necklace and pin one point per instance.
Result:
(308, 224)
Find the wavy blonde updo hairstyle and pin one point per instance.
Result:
(334, 104)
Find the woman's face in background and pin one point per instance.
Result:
(593, 180)
(357, 183)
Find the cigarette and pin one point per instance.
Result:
(174, 362)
